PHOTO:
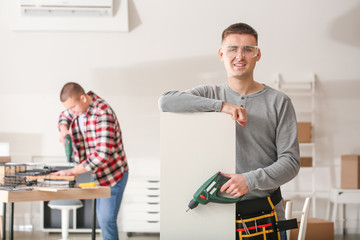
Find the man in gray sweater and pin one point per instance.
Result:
(267, 148)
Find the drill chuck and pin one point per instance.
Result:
(193, 204)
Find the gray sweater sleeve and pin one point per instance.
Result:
(287, 165)
(198, 99)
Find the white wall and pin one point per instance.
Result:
(173, 45)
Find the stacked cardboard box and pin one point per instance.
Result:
(350, 171)
(305, 161)
(304, 132)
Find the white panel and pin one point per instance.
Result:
(4, 149)
(194, 146)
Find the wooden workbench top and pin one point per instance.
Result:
(67, 194)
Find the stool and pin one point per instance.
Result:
(65, 206)
(340, 197)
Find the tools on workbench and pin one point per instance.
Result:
(209, 192)
(14, 174)
(53, 181)
(88, 185)
(31, 176)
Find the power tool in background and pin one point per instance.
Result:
(208, 192)
(68, 148)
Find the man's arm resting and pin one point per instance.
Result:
(79, 169)
(175, 101)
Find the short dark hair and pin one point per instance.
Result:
(71, 89)
(239, 28)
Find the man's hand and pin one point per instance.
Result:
(236, 186)
(64, 130)
(237, 113)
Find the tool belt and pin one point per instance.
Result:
(256, 219)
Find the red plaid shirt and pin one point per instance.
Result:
(100, 150)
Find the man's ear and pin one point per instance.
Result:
(221, 54)
(83, 98)
(258, 55)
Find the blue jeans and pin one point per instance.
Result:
(107, 210)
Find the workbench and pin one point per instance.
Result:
(39, 195)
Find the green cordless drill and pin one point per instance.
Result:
(68, 148)
(208, 192)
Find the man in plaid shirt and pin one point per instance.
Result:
(98, 148)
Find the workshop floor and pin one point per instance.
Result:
(123, 236)
(79, 236)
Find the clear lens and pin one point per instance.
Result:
(245, 51)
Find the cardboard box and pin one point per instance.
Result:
(5, 159)
(305, 161)
(304, 132)
(317, 229)
(350, 171)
